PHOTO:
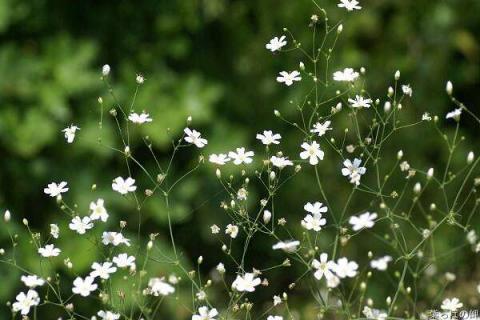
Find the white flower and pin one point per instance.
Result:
(360, 102)
(344, 268)
(353, 170)
(54, 189)
(158, 287)
(81, 225)
(350, 5)
(321, 128)
(312, 152)
(139, 79)
(280, 162)
(247, 282)
(276, 43)
(381, 263)
(426, 117)
(108, 315)
(98, 211)
(102, 270)
(374, 314)
(26, 301)
(219, 159)
(455, 114)
(407, 90)
(287, 246)
(114, 238)
(289, 78)
(70, 133)
(451, 304)
(274, 318)
(54, 230)
(205, 314)
(32, 281)
(123, 260)
(268, 137)
(124, 186)
(347, 75)
(194, 137)
(315, 208)
(242, 194)
(240, 156)
(232, 230)
(220, 268)
(325, 267)
(365, 220)
(276, 300)
(105, 70)
(139, 118)
(49, 251)
(84, 287)
(313, 222)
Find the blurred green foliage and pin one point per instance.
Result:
(204, 58)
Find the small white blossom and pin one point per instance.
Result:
(360, 102)
(25, 302)
(124, 186)
(195, 137)
(80, 225)
(407, 90)
(455, 114)
(289, 78)
(276, 43)
(268, 137)
(105, 70)
(69, 133)
(324, 267)
(287, 246)
(49, 251)
(240, 156)
(232, 230)
(84, 287)
(139, 118)
(219, 159)
(247, 282)
(350, 5)
(381, 263)
(280, 162)
(321, 128)
(365, 220)
(114, 238)
(54, 189)
(158, 287)
(353, 170)
(312, 152)
(102, 270)
(108, 315)
(123, 260)
(451, 304)
(54, 230)
(205, 314)
(98, 211)
(32, 281)
(344, 268)
(347, 75)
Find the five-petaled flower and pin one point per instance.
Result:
(194, 137)
(312, 152)
(53, 189)
(123, 186)
(276, 43)
(289, 77)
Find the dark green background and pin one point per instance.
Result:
(206, 59)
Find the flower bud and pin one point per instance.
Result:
(470, 157)
(397, 75)
(449, 88)
(105, 70)
(267, 215)
(7, 216)
(387, 106)
(340, 29)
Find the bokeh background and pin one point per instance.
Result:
(207, 59)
